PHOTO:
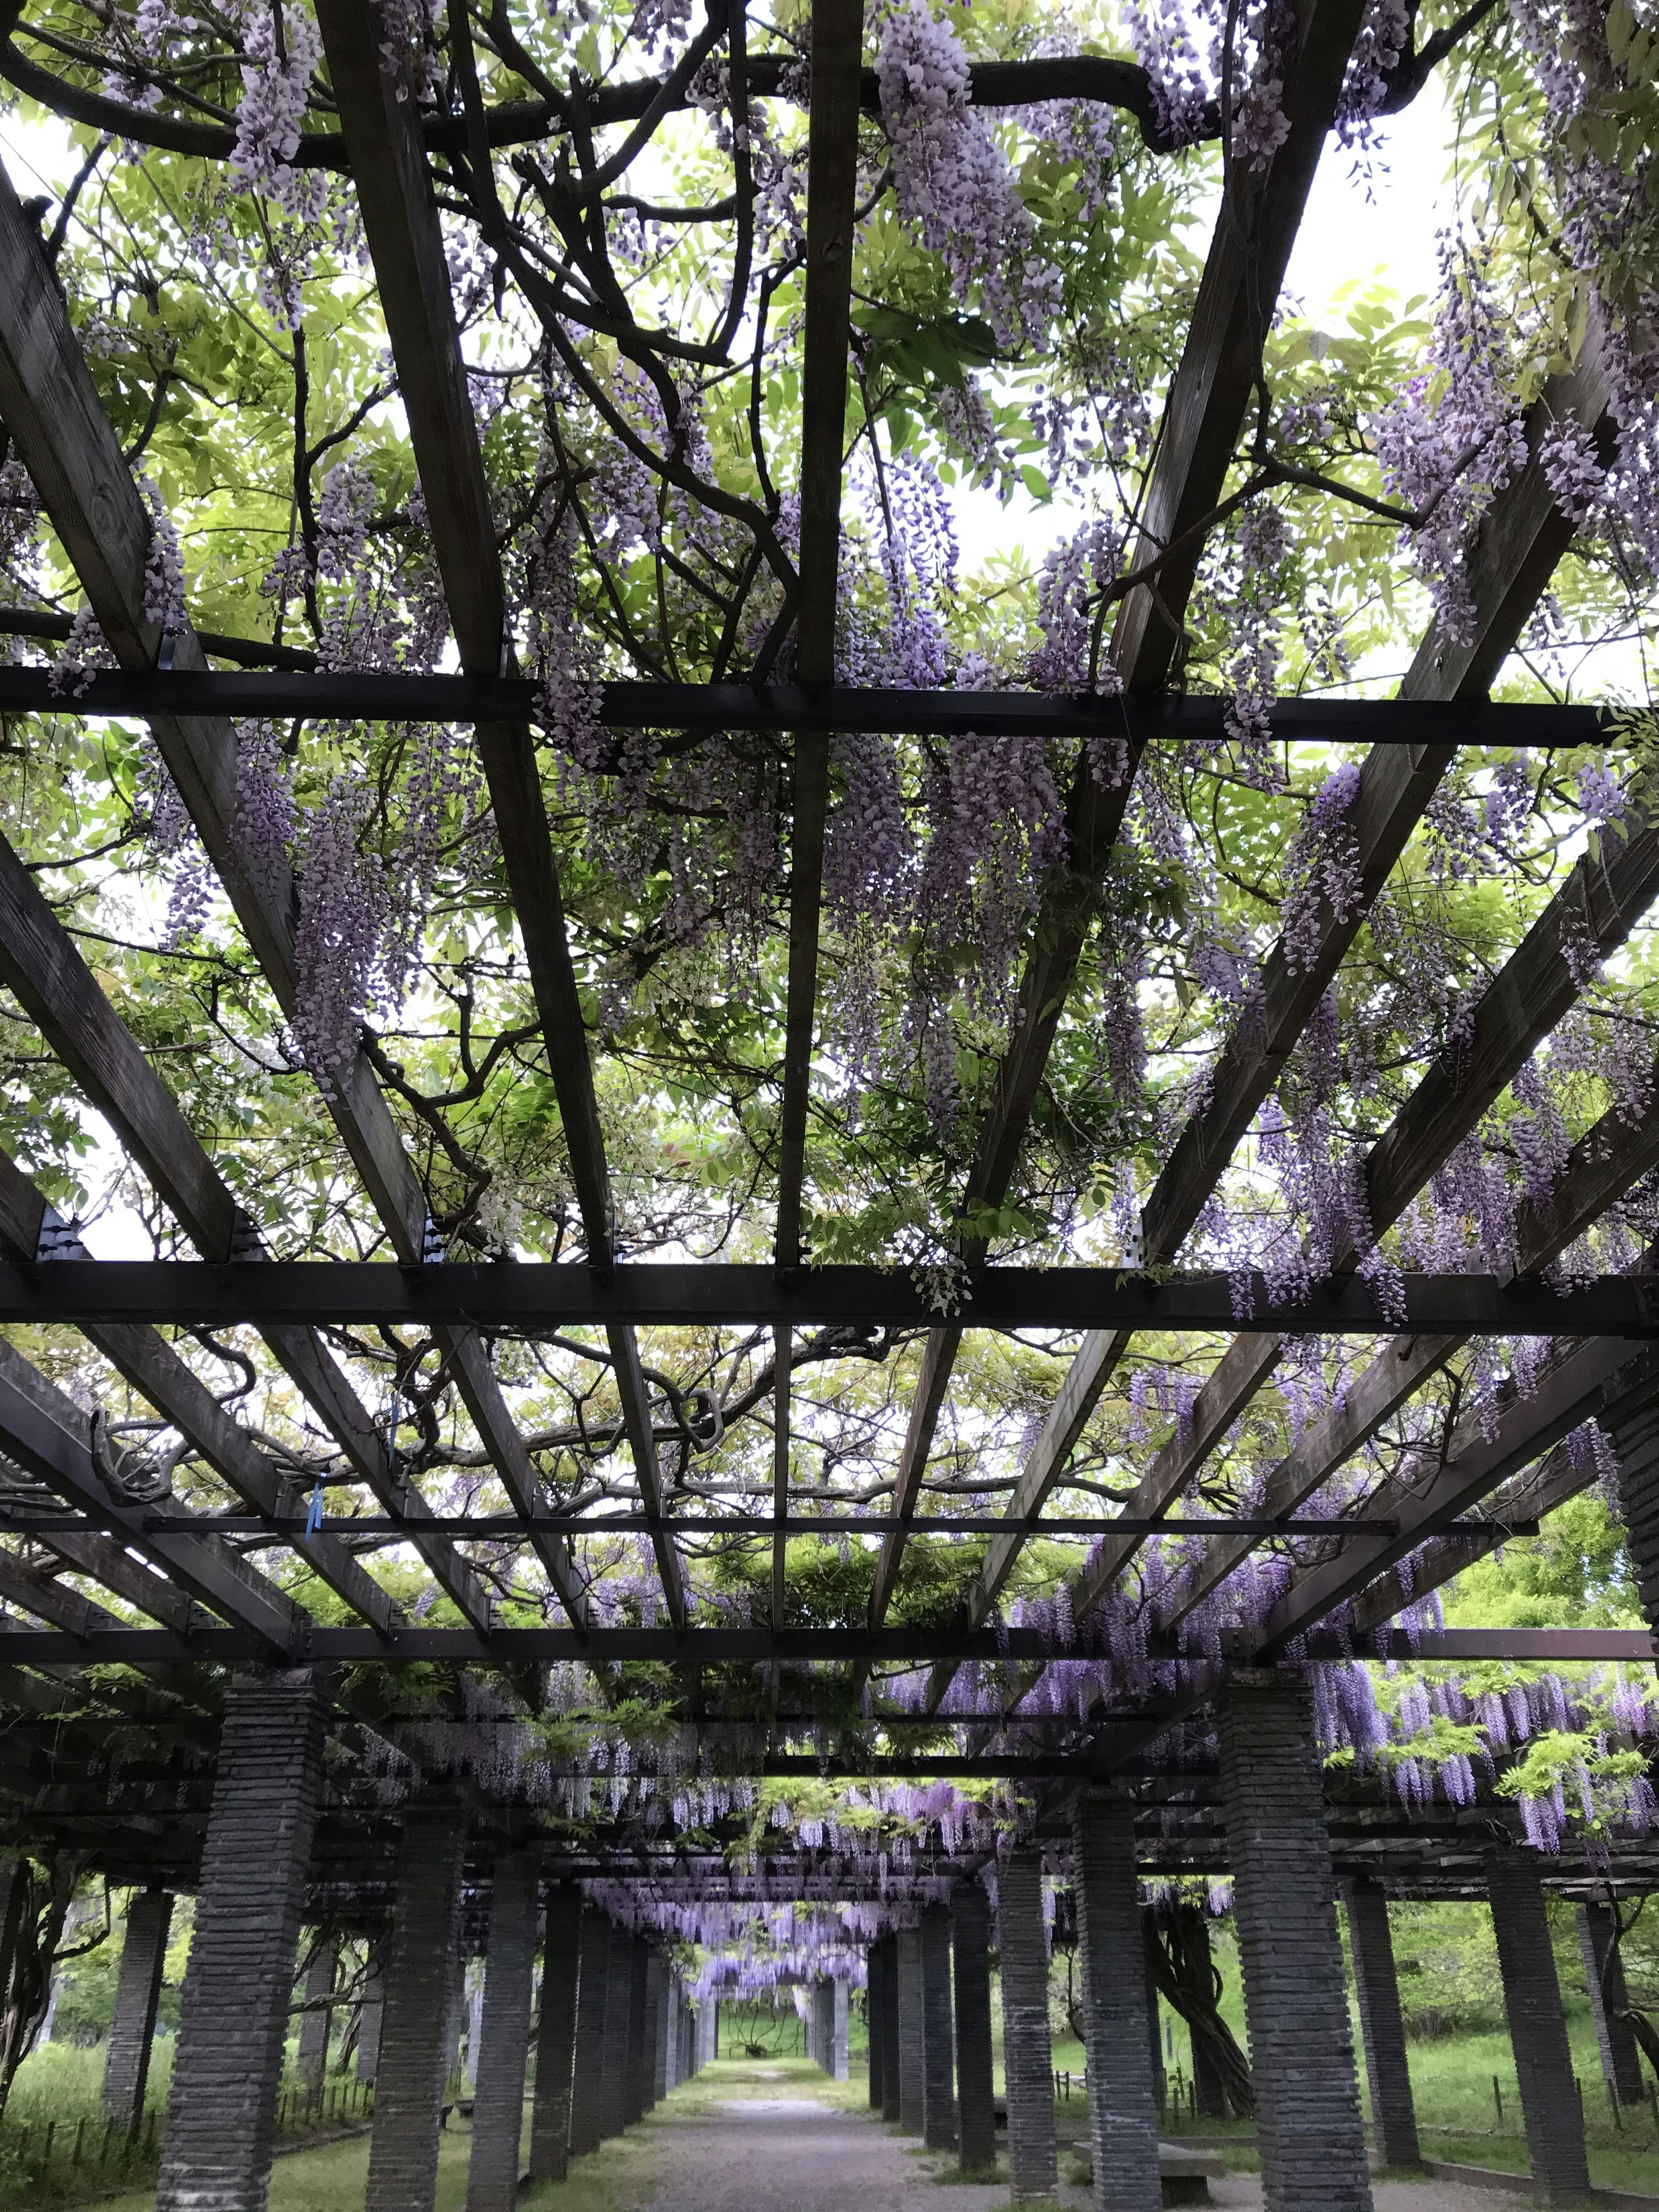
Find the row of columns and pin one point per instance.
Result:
(825, 2025)
(614, 2033)
(930, 2060)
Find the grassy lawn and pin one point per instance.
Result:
(619, 2177)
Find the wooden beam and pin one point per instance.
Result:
(535, 1300)
(1210, 393)
(831, 204)
(379, 115)
(159, 1375)
(49, 405)
(49, 1437)
(1580, 1386)
(1608, 1160)
(1523, 539)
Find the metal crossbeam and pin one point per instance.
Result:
(700, 710)
(513, 1647)
(532, 1299)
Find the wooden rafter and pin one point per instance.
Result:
(1524, 538)
(379, 114)
(1212, 389)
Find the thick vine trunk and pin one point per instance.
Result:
(1180, 1968)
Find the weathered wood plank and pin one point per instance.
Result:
(380, 119)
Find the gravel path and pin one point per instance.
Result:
(796, 2154)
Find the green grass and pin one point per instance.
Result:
(619, 2177)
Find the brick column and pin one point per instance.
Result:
(1028, 2062)
(1295, 2000)
(311, 2055)
(892, 2068)
(492, 2183)
(1394, 2117)
(592, 2009)
(662, 2005)
(875, 1961)
(911, 2113)
(1604, 1977)
(402, 2153)
(1537, 2028)
(137, 1991)
(555, 2038)
(368, 2025)
(939, 2057)
(976, 2122)
(618, 2010)
(238, 1984)
(1122, 2116)
(638, 2064)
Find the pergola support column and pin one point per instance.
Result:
(368, 2025)
(1027, 2052)
(234, 2018)
(911, 2115)
(618, 2010)
(1308, 2120)
(1394, 2116)
(137, 1991)
(977, 2119)
(1604, 1977)
(593, 2011)
(839, 2064)
(893, 2060)
(938, 2058)
(415, 2022)
(504, 2035)
(662, 2001)
(875, 1966)
(317, 2018)
(639, 2028)
(1537, 2028)
(1122, 2116)
(555, 2037)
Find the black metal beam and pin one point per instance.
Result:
(528, 1298)
(702, 710)
(708, 1647)
(489, 1527)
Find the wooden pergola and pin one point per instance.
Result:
(209, 1606)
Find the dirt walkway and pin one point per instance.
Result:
(792, 2149)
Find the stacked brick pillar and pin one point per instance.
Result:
(137, 1991)
(414, 2020)
(1537, 2028)
(939, 2103)
(234, 2016)
(1123, 2117)
(1308, 2121)
(504, 2035)
(1027, 2052)
(970, 1937)
(1394, 2117)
